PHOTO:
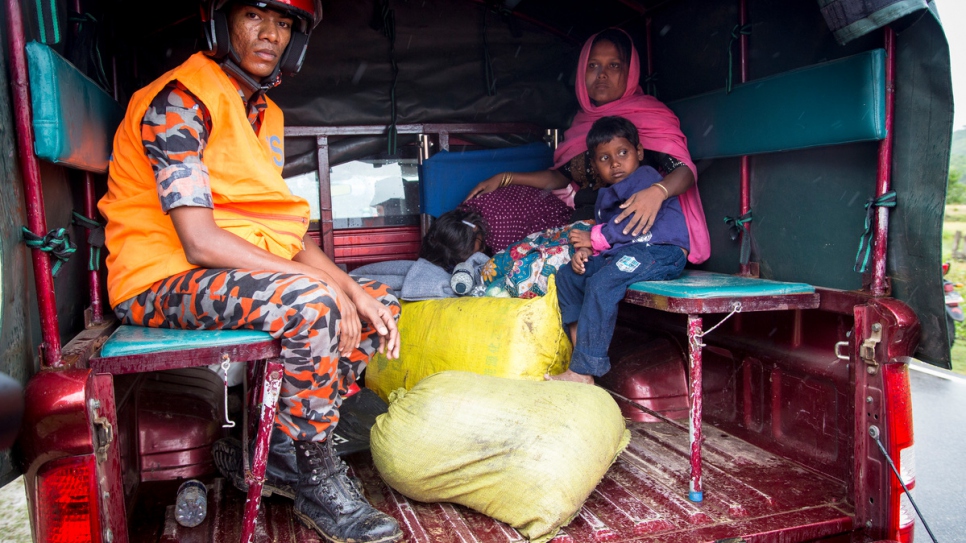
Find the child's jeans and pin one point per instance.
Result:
(591, 299)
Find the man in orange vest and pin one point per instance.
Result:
(203, 233)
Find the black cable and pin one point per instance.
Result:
(874, 432)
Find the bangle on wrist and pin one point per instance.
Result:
(666, 193)
(507, 178)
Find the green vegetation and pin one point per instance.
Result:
(956, 193)
(955, 220)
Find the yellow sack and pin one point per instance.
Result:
(523, 452)
(504, 337)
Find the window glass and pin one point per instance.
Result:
(366, 192)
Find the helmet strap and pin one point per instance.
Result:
(230, 65)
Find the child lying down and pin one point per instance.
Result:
(454, 243)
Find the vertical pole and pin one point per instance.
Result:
(745, 189)
(33, 189)
(696, 490)
(93, 276)
(326, 234)
(884, 177)
(267, 390)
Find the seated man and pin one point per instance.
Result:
(203, 233)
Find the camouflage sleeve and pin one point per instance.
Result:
(175, 132)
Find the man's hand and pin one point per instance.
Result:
(350, 329)
(380, 317)
(579, 238)
(578, 262)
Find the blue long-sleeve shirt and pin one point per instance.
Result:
(669, 226)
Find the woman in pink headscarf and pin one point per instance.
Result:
(609, 86)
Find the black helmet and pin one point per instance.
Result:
(308, 13)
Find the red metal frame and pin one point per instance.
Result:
(33, 189)
(880, 285)
(93, 276)
(695, 333)
(745, 190)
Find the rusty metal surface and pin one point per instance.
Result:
(749, 493)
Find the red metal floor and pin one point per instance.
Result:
(749, 493)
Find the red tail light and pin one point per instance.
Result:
(67, 492)
(900, 445)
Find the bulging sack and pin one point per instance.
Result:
(503, 337)
(527, 453)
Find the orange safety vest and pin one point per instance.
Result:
(251, 200)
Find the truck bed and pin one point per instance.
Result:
(749, 494)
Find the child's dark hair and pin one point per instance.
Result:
(452, 238)
(608, 128)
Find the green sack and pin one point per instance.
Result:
(527, 453)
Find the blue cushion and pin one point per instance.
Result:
(129, 340)
(841, 101)
(74, 120)
(694, 284)
(447, 177)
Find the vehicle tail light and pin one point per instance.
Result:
(900, 446)
(69, 509)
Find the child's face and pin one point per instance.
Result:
(616, 159)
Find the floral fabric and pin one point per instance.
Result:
(523, 269)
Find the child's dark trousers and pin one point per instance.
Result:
(591, 299)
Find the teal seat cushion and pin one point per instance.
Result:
(74, 120)
(695, 284)
(131, 340)
(836, 102)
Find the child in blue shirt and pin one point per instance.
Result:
(606, 260)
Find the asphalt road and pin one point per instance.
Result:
(939, 425)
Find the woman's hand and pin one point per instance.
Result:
(579, 261)
(642, 208)
(380, 318)
(579, 239)
(486, 186)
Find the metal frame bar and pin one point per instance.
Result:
(33, 188)
(745, 168)
(880, 282)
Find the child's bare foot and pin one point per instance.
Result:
(570, 376)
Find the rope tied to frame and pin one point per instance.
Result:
(736, 229)
(736, 34)
(696, 342)
(864, 253)
(95, 239)
(56, 243)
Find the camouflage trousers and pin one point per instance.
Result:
(298, 310)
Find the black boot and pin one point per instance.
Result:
(281, 474)
(331, 504)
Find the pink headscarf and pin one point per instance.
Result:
(659, 130)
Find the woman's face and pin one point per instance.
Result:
(606, 75)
